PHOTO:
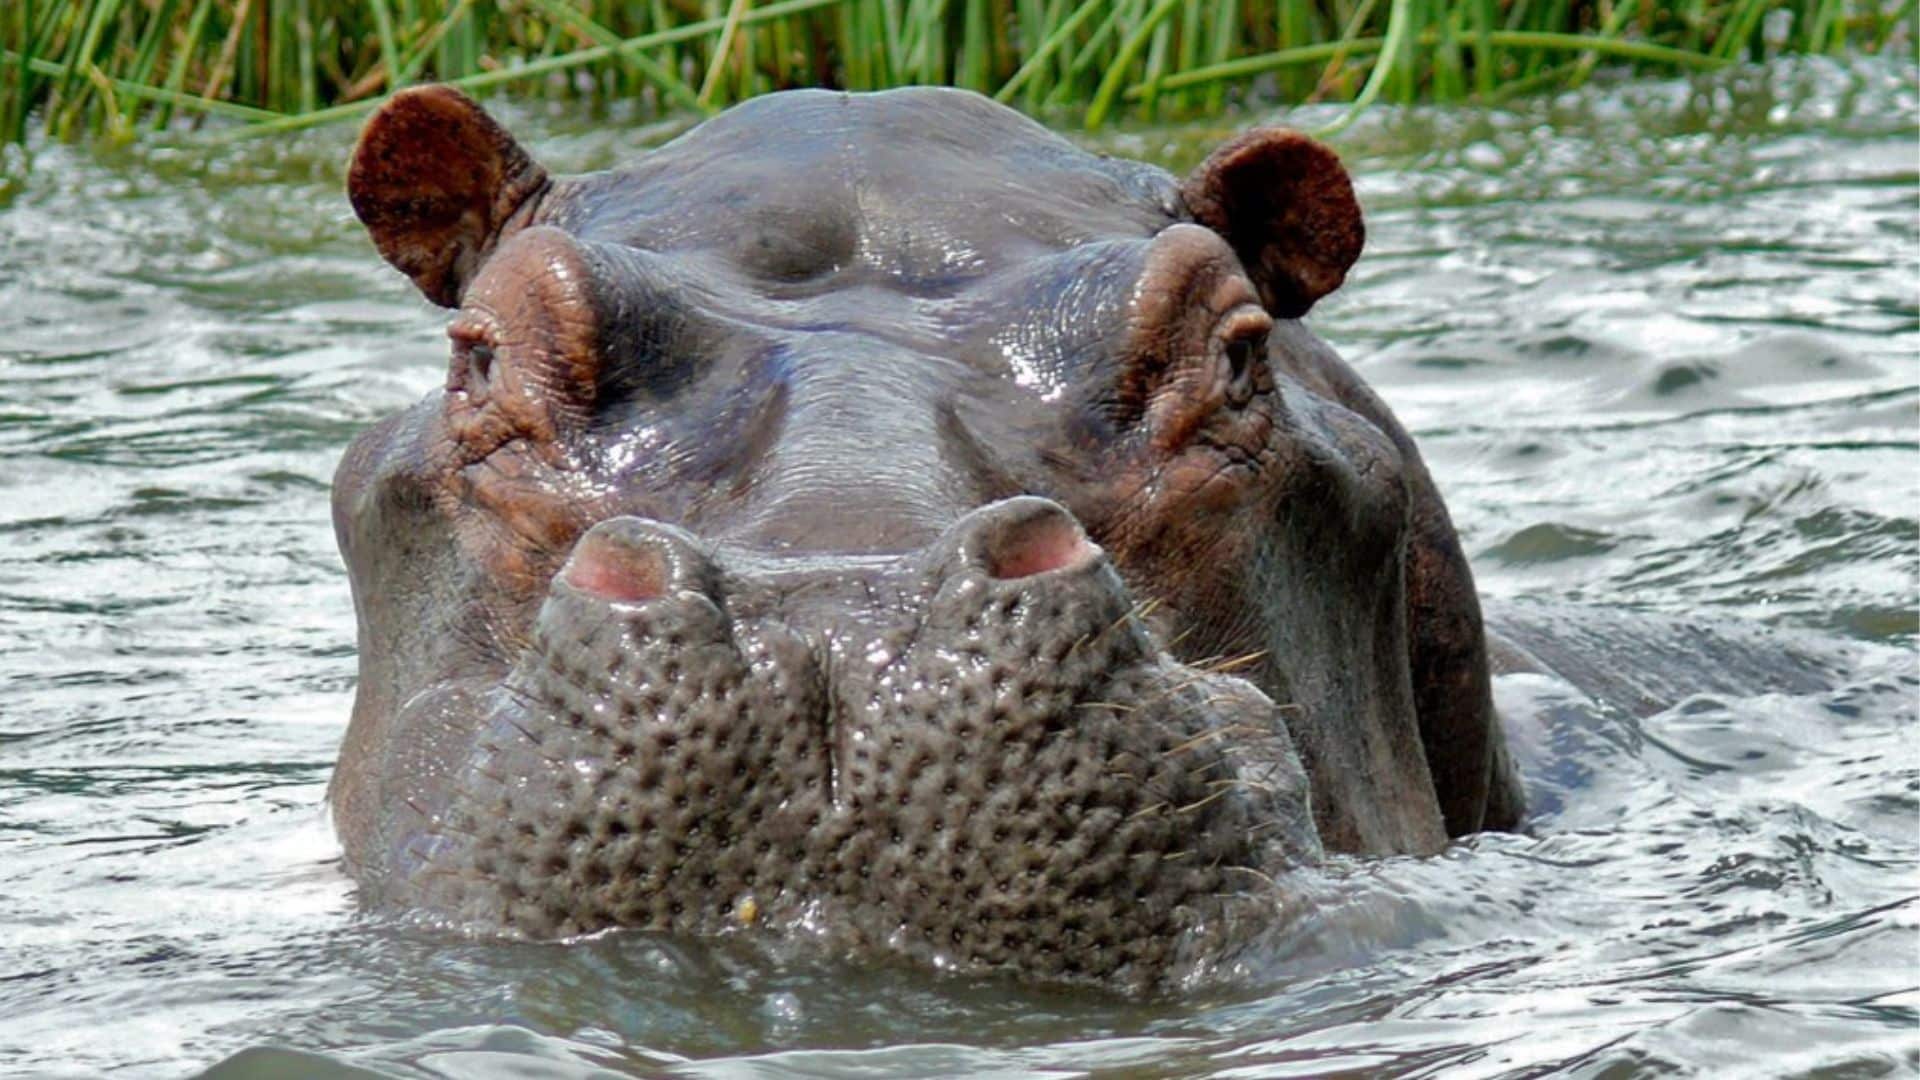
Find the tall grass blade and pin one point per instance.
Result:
(1129, 51)
(389, 49)
(1060, 35)
(721, 52)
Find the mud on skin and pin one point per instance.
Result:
(870, 514)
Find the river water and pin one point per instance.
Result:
(1658, 341)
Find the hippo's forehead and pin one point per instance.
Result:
(923, 190)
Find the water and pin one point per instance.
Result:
(1658, 342)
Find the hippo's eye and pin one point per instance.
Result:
(471, 372)
(480, 361)
(1245, 346)
(1239, 358)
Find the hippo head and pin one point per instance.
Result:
(872, 514)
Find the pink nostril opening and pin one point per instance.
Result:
(1035, 546)
(616, 571)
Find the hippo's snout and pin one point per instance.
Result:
(976, 752)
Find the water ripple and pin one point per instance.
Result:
(1657, 340)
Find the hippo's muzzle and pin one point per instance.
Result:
(986, 757)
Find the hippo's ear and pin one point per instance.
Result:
(1285, 204)
(434, 180)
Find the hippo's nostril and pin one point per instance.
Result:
(615, 571)
(1032, 540)
(630, 560)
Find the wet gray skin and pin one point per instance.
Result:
(872, 515)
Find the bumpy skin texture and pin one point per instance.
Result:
(873, 515)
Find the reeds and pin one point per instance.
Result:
(115, 67)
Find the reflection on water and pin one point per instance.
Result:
(1658, 342)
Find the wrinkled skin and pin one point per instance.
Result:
(869, 513)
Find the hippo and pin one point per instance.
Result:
(872, 516)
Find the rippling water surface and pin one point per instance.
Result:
(1658, 342)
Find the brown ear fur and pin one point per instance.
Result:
(435, 179)
(1286, 205)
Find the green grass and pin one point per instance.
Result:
(114, 68)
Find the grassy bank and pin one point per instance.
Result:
(116, 67)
